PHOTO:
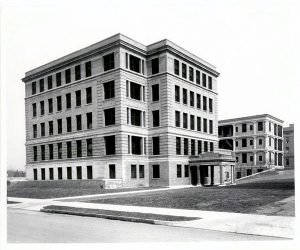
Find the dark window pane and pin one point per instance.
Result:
(155, 92)
(77, 72)
(155, 66)
(109, 62)
(110, 145)
(109, 115)
(109, 89)
(68, 75)
(88, 69)
(134, 63)
(156, 145)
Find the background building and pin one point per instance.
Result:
(122, 112)
(288, 135)
(257, 142)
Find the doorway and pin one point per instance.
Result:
(194, 178)
(203, 174)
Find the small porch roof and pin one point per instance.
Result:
(220, 157)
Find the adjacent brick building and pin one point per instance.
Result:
(257, 142)
(288, 135)
(122, 112)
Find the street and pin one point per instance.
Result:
(36, 227)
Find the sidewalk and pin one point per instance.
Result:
(277, 226)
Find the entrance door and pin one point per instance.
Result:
(194, 179)
(203, 173)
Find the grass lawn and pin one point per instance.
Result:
(91, 212)
(57, 189)
(242, 198)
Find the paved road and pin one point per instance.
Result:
(29, 227)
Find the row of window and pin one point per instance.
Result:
(193, 146)
(58, 77)
(260, 127)
(59, 151)
(192, 99)
(277, 143)
(59, 122)
(192, 122)
(193, 77)
(277, 160)
(78, 102)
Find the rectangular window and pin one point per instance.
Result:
(89, 147)
(184, 96)
(78, 122)
(251, 127)
(69, 149)
(199, 147)
(203, 80)
(193, 145)
(205, 146)
(244, 142)
(109, 115)
(110, 145)
(42, 85)
(179, 171)
(251, 142)
(198, 101)
(68, 75)
(135, 91)
(210, 105)
(49, 79)
(244, 127)
(35, 174)
(43, 174)
(156, 145)
(185, 120)
(183, 70)
(43, 129)
(78, 98)
(35, 153)
(136, 145)
(43, 152)
(211, 127)
(58, 79)
(58, 101)
(155, 92)
(155, 66)
(109, 90)
(204, 103)
(88, 93)
(50, 151)
(34, 128)
(192, 100)
(136, 117)
(191, 74)
(244, 157)
(112, 171)
(155, 118)
(79, 172)
(260, 142)
(155, 171)
(211, 144)
(109, 62)
(69, 173)
(79, 148)
(185, 146)
(34, 110)
(177, 119)
(186, 170)
(42, 107)
(69, 124)
(88, 69)
(260, 158)
(177, 93)
(204, 125)
(198, 123)
(89, 120)
(209, 82)
(50, 106)
(33, 88)
(176, 67)
(134, 63)
(68, 101)
(59, 150)
(192, 122)
(197, 76)
(50, 123)
(133, 171)
(89, 171)
(260, 126)
(178, 146)
(141, 171)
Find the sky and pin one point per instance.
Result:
(253, 44)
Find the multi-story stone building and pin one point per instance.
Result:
(256, 142)
(122, 112)
(288, 135)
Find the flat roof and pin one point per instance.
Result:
(240, 119)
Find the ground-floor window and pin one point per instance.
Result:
(79, 172)
(59, 170)
(89, 172)
(249, 172)
(112, 171)
(287, 161)
(141, 171)
(51, 173)
(35, 174)
(155, 171)
(43, 173)
(178, 171)
(186, 170)
(69, 173)
(133, 171)
(238, 175)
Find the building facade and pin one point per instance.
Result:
(118, 111)
(257, 142)
(288, 135)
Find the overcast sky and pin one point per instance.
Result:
(253, 44)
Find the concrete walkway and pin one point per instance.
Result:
(277, 226)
